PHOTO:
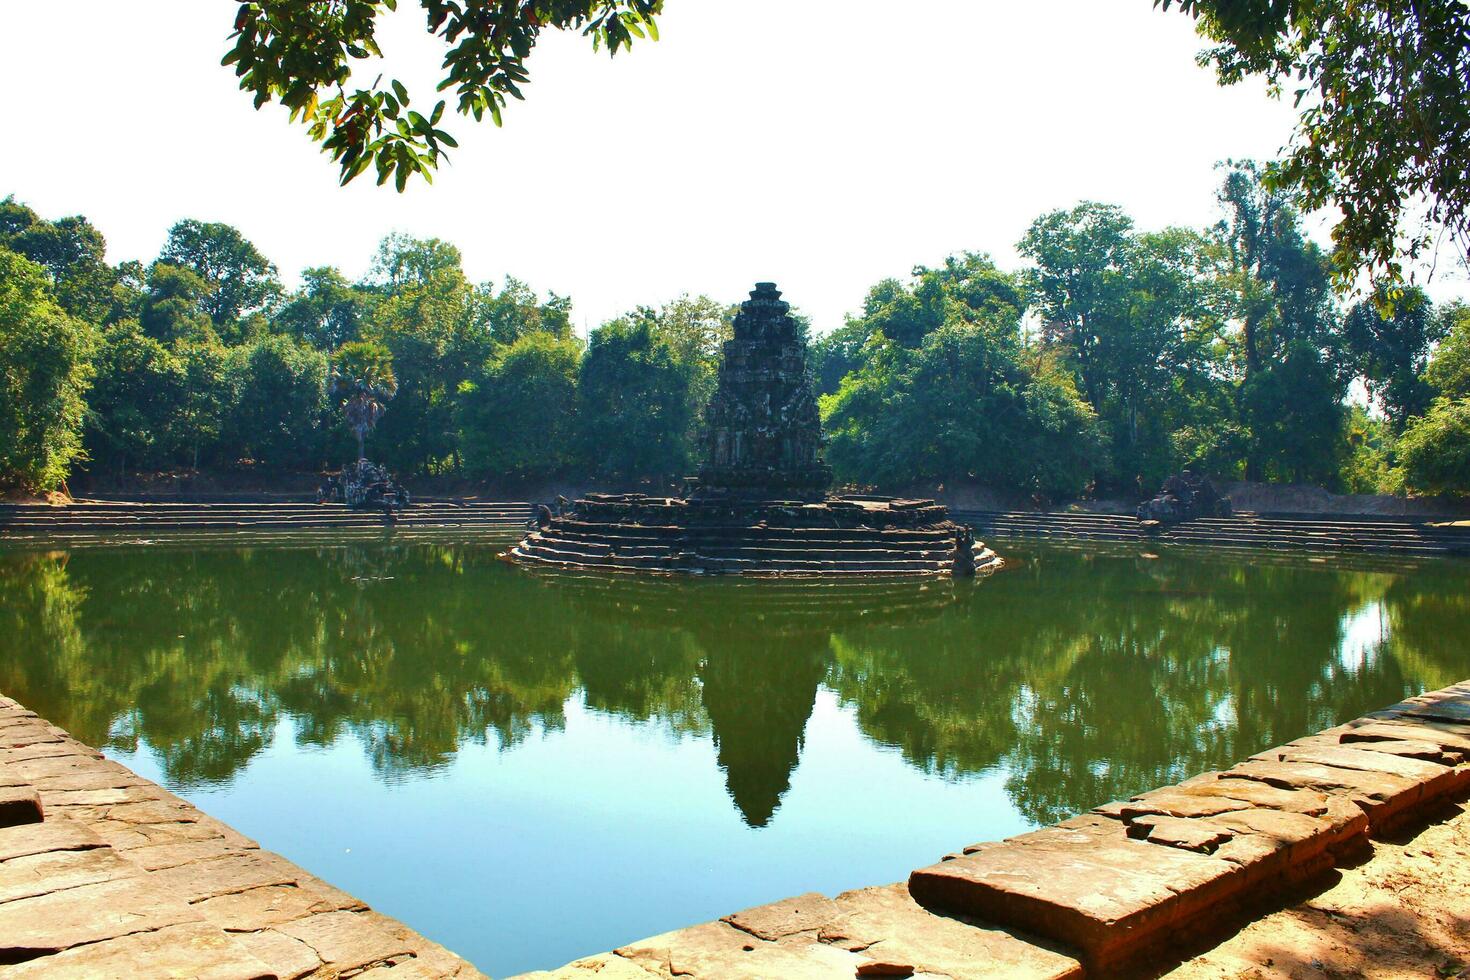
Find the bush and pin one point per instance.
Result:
(1434, 451)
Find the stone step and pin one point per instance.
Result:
(695, 539)
(804, 534)
(537, 551)
(851, 551)
(1135, 876)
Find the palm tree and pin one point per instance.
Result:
(363, 383)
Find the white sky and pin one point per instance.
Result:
(823, 144)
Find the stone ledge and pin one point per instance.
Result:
(1118, 883)
(115, 876)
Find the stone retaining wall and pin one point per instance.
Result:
(1106, 893)
(105, 874)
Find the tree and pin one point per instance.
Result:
(304, 55)
(427, 319)
(960, 405)
(516, 311)
(363, 384)
(208, 397)
(45, 370)
(1385, 122)
(239, 280)
(1275, 288)
(1132, 314)
(327, 311)
(518, 419)
(961, 408)
(137, 394)
(171, 307)
(833, 356)
(283, 388)
(1388, 342)
(1434, 451)
(632, 407)
(1079, 285)
(695, 330)
(1448, 372)
(72, 252)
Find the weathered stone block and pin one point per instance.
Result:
(53, 871)
(1087, 886)
(347, 940)
(20, 805)
(92, 913)
(41, 838)
(193, 950)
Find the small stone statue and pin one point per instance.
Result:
(964, 553)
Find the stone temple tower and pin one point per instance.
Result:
(762, 435)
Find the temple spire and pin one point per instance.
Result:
(762, 434)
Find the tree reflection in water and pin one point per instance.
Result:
(1083, 675)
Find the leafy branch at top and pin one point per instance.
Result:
(303, 54)
(1384, 127)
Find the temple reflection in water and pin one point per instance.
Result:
(1083, 676)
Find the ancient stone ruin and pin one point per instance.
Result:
(1184, 497)
(760, 504)
(762, 435)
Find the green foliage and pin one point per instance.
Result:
(170, 309)
(833, 356)
(1296, 419)
(1275, 283)
(1132, 316)
(695, 330)
(138, 391)
(327, 311)
(1448, 372)
(238, 280)
(961, 407)
(207, 400)
(518, 420)
(72, 252)
(1369, 464)
(516, 311)
(282, 385)
(632, 404)
(1390, 342)
(304, 55)
(1434, 451)
(1385, 122)
(45, 370)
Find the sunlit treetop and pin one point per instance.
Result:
(1384, 130)
(305, 55)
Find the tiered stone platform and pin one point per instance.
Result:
(835, 536)
(86, 520)
(1119, 891)
(1245, 531)
(104, 874)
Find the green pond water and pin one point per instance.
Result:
(530, 768)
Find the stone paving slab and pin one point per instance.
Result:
(114, 876)
(870, 932)
(1118, 883)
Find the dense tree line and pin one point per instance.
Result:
(1116, 357)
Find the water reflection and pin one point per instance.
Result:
(1083, 675)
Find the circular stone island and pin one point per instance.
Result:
(835, 536)
(759, 505)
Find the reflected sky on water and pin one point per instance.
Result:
(532, 767)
